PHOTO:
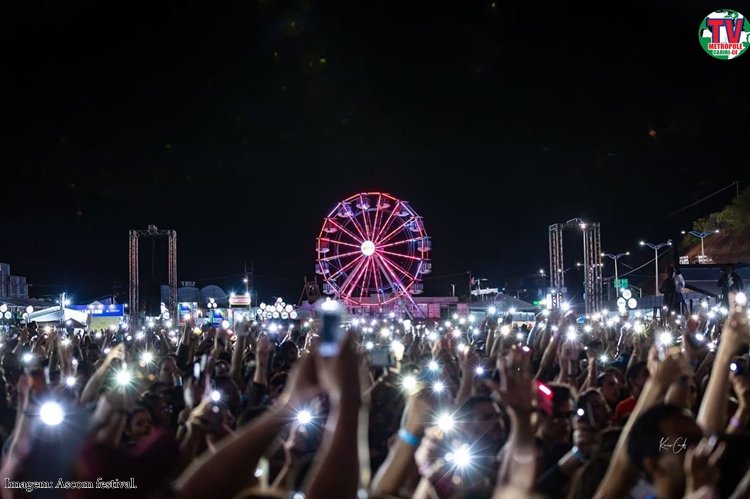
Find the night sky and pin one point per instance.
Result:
(241, 123)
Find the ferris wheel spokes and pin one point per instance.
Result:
(376, 275)
(378, 209)
(400, 255)
(335, 257)
(385, 226)
(342, 243)
(351, 279)
(343, 269)
(363, 234)
(392, 277)
(392, 264)
(396, 230)
(403, 241)
(365, 206)
(342, 229)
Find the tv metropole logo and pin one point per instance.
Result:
(724, 34)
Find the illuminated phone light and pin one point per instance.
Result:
(580, 412)
(456, 333)
(479, 370)
(433, 365)
(505, 330)
(27, 357)
(66, 342)
(369, 345)
(446, 422)
(215, 396)
(740, 299)
(51, 413)
(545, 390)
(587, 328)
(304, 417)
(70, 381)
(666, 338)
(140, 335)
(700, 337)
(462, 456)
(438, 387)
(409, 382)
(603, 359)
(123, 377)
(572, 334)
(147, 357)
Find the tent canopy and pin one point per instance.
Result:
(57, 316)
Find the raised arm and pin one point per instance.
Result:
(712, 416)
(622, 474)
(223, 473)
(337, 471)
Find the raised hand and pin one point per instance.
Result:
(702, 464)
(340, 375)
(516, 387)
(668, 370)
(302, 386)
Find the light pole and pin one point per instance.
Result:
(656, 248)
(615, 258)
(453, 290)
(701, 236)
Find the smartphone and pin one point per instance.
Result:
(695, 344)
(738, 367)
(382, 357)
(584, 413)
(330, 331)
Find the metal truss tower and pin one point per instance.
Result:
(134, 283)
(592, 263)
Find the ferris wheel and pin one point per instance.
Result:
(372, 250)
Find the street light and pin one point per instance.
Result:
(656, 248)
(702, 236)
(615, 258)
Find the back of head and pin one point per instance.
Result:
(649, 434)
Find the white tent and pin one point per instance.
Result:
(54, 314)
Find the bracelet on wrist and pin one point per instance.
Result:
(735, 423)
(409, 438)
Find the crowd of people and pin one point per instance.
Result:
(572, 407)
